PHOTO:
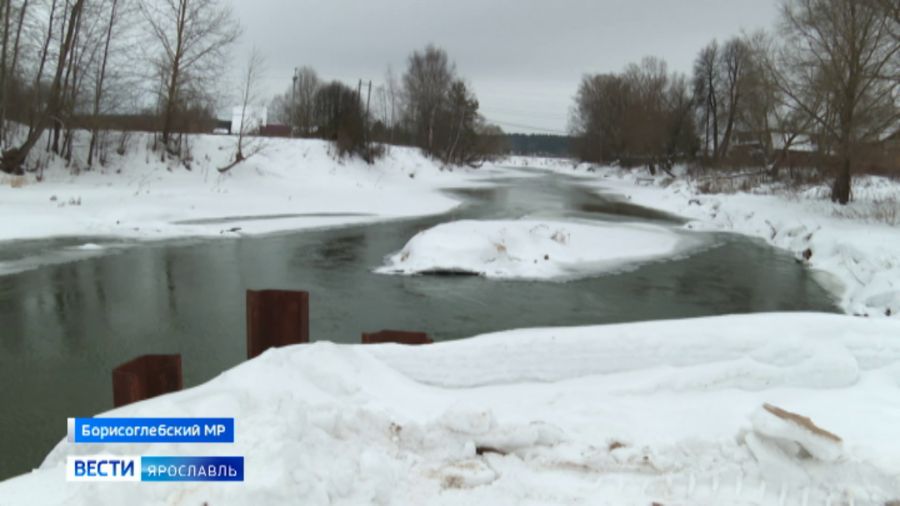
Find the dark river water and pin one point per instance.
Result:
(64, 326)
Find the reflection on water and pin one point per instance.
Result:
(64, 327)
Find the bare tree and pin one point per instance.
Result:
(101, 76)
(706, 89)
(429, 75)
(250, 98)
(4, 71)
(891, 9)
(42, 62)
(9, 72)
(193, 37)
(12, 81)
(768, 112)
(14, 158)
(601, 105)
(340, 118)
(640, 117)
(394, 102)
(303, 94)
(839, 64)
(735, 62)
(458, 121)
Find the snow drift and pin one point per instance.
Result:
(668, 412)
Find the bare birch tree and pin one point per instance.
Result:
(192, 39)
(250, 98)
(101, 77)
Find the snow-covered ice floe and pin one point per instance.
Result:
(769, 409)
(533, 249)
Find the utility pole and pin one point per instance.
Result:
(294, 103)
(368, 99)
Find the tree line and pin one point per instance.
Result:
(557, 146)
(430, 106)
(74, 66)
(826, 78)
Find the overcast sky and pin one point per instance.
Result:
(524, 58)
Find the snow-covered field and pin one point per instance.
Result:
(532, 249)
(857, 246)
(668, 412)
(291, 184)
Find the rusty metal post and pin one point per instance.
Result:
(145, 377)
(396, 336)
(276, 318)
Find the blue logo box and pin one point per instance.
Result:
(163, 469)
(151, 430)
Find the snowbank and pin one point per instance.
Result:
(856, 246)
(531, 249)
(290, 184)
(665, 412)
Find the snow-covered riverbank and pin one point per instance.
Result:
(669, 411)
(291, 184)
(857, 247)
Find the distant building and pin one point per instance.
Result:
(256, 118)
(223, 126)
(275, 130)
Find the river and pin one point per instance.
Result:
(65, 324)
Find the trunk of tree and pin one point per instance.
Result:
(726, 137)
(733, 104)
(61, 94)
(172, 86)
(15, 62)
(40, 72)
(714, 113)
(431, 131)
(456, 139)
(706, 131)
(785, 152)
(840, 191)
(98, 94)
(4, 72)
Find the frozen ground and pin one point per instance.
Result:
(856, 246)
(532, 249)
(291, 184)
(667, 412)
